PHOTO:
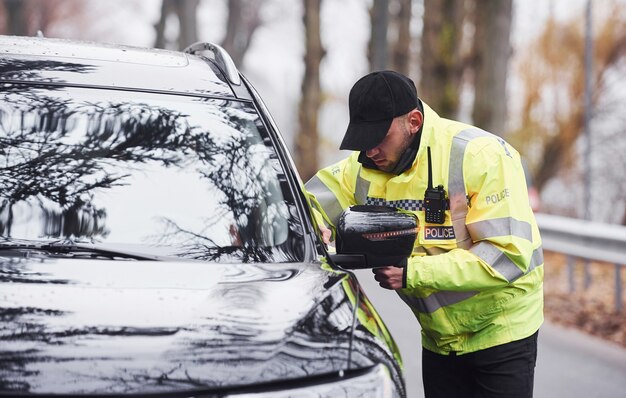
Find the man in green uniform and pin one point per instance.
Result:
(475, 278)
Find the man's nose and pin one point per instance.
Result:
(372, 152)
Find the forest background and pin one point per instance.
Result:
(549, 76)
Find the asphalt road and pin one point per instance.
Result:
(570, 364)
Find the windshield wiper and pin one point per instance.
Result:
(76, 250)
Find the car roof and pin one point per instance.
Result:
(88, 64)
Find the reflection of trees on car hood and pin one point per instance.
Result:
(191, 326)
(33, 70)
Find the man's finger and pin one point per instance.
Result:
(326, 233)
(389, 277)
(385, 285)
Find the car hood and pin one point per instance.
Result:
(100, 326)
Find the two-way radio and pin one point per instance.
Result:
(435, 202)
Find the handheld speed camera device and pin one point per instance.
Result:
(375, 236)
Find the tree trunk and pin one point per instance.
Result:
(233, 27)
(401, 55)
(16, 23)
(188, 22)
(491, 54)
(378, 48)
(441, 63)
(46, 13)
(28, 17)
(159, 27)
(307, 140)
(186, 11)
(243, 20)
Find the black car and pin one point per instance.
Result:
(155, 238)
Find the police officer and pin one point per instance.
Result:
(475, 278)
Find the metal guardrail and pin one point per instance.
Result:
(587, 240)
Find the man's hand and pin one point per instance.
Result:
(326, 233)
(390, 277)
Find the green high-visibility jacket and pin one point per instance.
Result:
(475, 281)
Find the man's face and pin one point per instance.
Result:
(399, 136)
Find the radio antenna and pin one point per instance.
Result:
(430, 171)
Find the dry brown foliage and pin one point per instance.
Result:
(591, 309)
(552, 75)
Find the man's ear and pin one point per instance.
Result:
(416, 118)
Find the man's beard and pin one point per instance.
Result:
(408, 151)
(406, 143)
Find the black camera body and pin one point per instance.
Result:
(375, 236)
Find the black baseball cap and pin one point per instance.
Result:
(374, 101)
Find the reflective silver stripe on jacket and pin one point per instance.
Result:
(361, 189)
(500, 262)
(504, 226)
(495, 258)
(456, 185)
(436, 300)
(326, 198)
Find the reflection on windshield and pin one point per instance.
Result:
(169, 174)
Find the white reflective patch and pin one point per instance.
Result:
(361, 190)
(439, 232)
(326, 198)
(436, 300)
(456, 184)
(504, 226)
(500, 262)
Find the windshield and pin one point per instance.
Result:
(150, 173)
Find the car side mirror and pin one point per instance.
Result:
(374, 236)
